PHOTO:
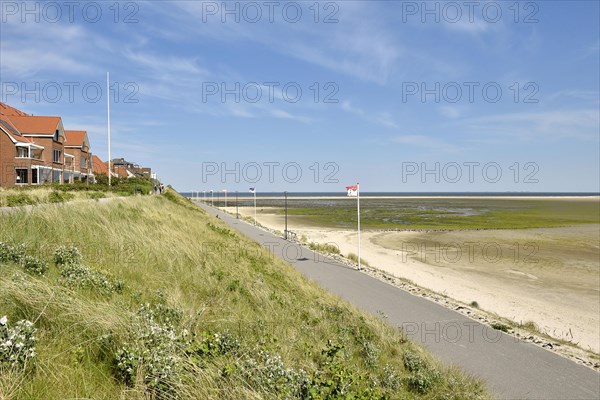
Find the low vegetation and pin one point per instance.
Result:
(444, 214)
(324, 247)
(354, 258)
(151, 298)
(55, 193)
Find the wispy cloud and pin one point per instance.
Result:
(463, 24)
(25, 50)
(286, 115)
(450, 111)
(166, 65)
(426, 142)
(380, 118)
(547, 125)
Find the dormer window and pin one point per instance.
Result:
(23, 152)
(56, 136)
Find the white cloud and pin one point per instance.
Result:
(25, 50)
(286, 115)
(477, 26)
(548, 125)
(426, 142)
(380, 118)
(450, 111)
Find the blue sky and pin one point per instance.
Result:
(379, 81)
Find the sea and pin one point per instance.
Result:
(245, 194)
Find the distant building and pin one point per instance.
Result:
(126, 169)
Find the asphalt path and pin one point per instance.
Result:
(511, 368)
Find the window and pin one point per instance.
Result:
(22, 176)
(23, 152)
(56, 136)
(34, 176)
(83, 162)
(56, 156)
(56, 176)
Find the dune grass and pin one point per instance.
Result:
(46, 194)
(200, 313)
(59, 193)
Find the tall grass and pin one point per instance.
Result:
(46, 194)
(239, 317)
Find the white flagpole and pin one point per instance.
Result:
(254, 206)
(108, 111)
(358, 212)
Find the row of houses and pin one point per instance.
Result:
(38, 149)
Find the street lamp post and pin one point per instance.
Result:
(237, 215)
(286, 215)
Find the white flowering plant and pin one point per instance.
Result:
(11, 253)
(80, 276)
(17, 344)
(65, 255)
(266, 369)
(155, 351)
(34, 265)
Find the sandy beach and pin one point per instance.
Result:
(548, 276)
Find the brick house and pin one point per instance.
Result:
(78, 146)
(37, 149)
(49, 134)
(20, 158)
(99, 167)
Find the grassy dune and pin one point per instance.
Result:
(167, 302)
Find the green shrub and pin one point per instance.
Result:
(423, 376)
(422, 381)
(64, 255)
(96, 195)
(11, 253)
(80, 276)
(210, 345)
(5, 252)
(336, 379)
(21, 199)
(60, 197)
(500, 326)
(34, 265)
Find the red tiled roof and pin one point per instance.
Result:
(121, 172)
(8, 110)
(35, 125)
(11, 130)
(75, 138)
(99, 165)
